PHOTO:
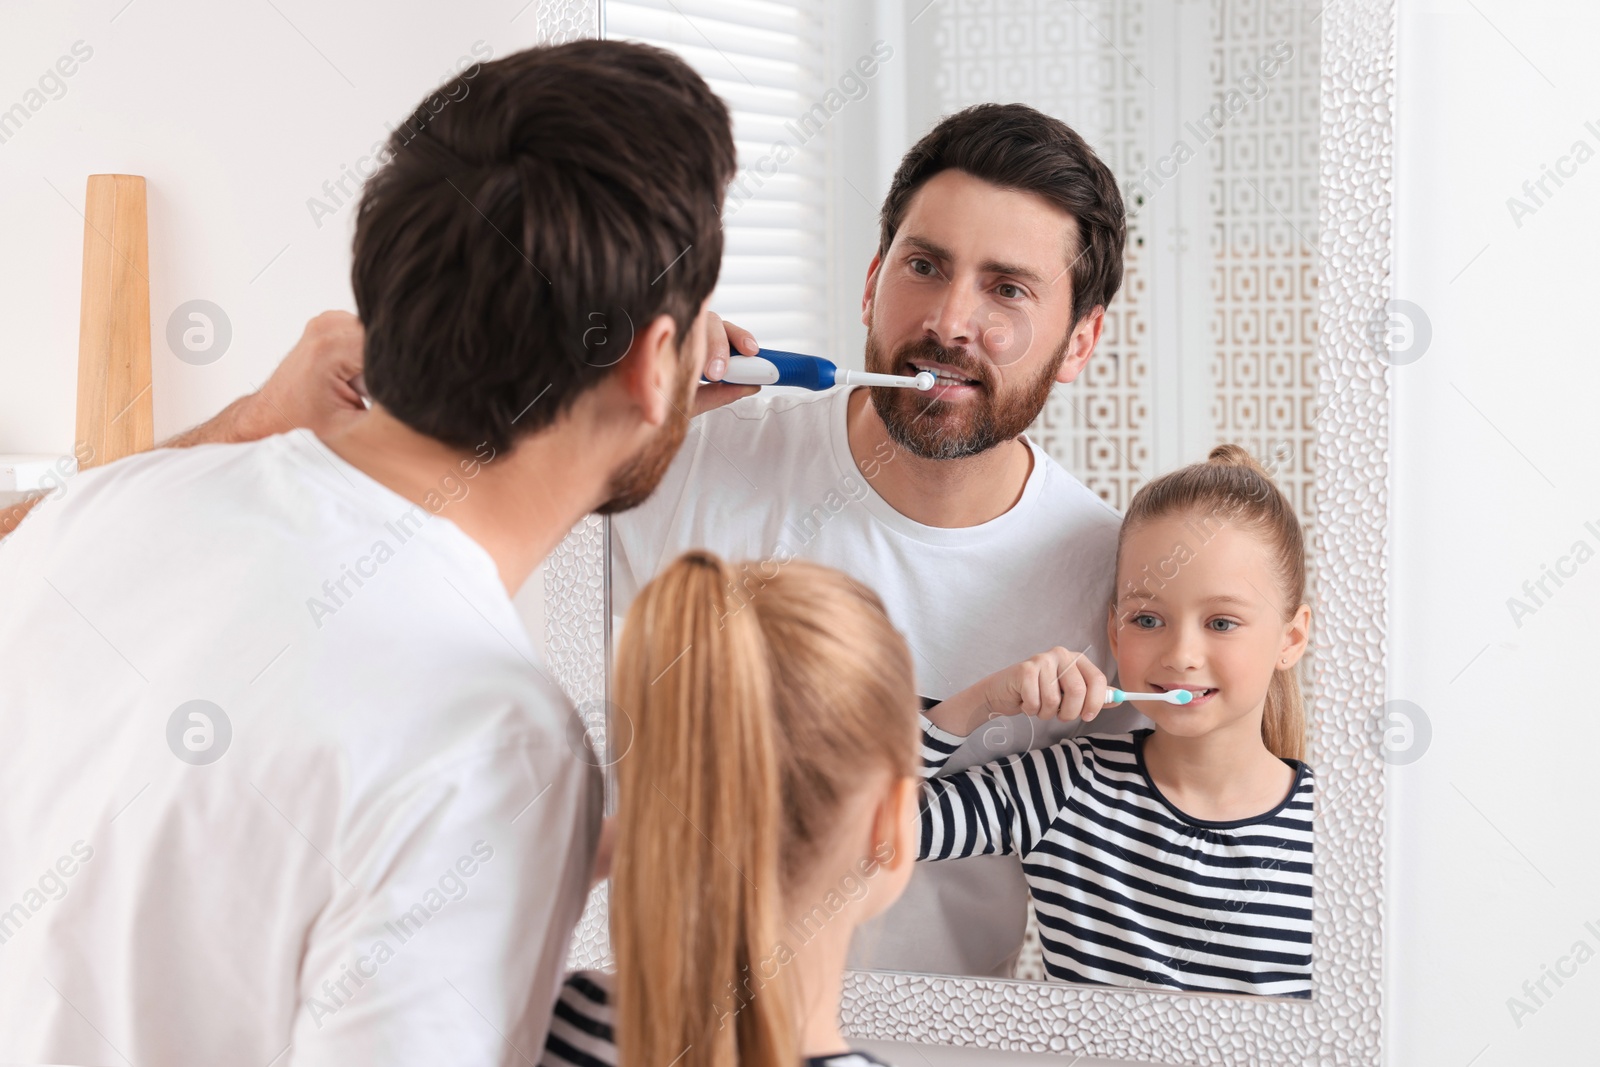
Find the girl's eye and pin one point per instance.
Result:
(1229, 623)
(1142, 615)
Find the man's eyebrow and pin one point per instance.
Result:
(1025, 274)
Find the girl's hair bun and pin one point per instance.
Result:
(1230, 455)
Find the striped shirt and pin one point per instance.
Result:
(1129, 890)
(581, 1029)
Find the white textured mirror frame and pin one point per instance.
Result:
(1342, 1023)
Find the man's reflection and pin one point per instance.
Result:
(1001, 244)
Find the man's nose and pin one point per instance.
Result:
(951, 319)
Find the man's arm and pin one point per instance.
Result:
(12, 514)
(312, 387)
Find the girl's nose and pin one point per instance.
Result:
(1183, 651)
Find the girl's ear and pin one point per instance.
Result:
(909, 820)
(896, 824)
(895, 827)
(1111, 629)
(1296, 636)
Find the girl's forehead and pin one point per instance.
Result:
(1195, 555)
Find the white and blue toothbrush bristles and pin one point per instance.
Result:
(1171, 696)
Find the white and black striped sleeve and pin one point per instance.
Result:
(581, 1027)
(937, 745)
(1000, 808)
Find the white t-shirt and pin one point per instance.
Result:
(385, 862)
(772, 476)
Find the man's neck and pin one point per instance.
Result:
(517, 505)
(948, 493)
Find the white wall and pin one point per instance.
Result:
(1492, 860)
(236, 120)
(236, 114)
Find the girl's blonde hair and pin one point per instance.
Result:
(1234, 488)
(761, 698)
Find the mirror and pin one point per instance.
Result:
(1207, 115)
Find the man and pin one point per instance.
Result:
(1000, 246)
(284, 781)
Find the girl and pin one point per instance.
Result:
(766, 807)
(1178, 857)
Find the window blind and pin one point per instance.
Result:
(766, 60)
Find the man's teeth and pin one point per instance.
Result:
(946, 376)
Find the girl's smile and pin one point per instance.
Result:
(1201, 693)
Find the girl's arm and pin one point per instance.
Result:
(1058, 684)
(1002, 807)
(998, 808)
(938, 745)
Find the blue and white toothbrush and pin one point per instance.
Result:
(1171, 696)
(775, 367)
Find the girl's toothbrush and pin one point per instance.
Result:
(1171, 696)
(773, 367)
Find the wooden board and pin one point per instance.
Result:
(115, 418)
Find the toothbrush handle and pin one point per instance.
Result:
(776, 367)
(806, 372)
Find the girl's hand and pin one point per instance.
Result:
(1058, 684)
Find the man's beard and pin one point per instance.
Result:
(942, 429)
(633, 482)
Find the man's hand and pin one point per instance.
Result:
(312, 386)
(723, 338)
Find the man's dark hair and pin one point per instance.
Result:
(1017, 147)
(519, 233)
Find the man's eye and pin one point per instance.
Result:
(1015, 290)
(918, 264)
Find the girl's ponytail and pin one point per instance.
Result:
(696, 899)
(1283, 721)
